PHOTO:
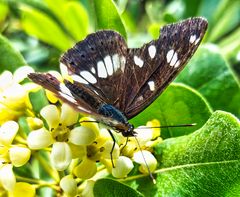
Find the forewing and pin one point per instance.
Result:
(151, 68)
(98, 63)
(62, 91)
(75, 95)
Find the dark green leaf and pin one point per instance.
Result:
(178, 104)
(38, 100)
(210, 74)
(10, 58)
(107, 16)
(109, 188)
(204, 163)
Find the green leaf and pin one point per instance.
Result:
(210, 74)
(41, 26)
(76, 20)
(107, 16)
(10, 58)
(3, 11)
(38, 100)
(109, 188)
(178, 104)
(204, 163)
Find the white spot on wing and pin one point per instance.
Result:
(152, 51)
(170, 55)
(123, 62)
(174, 59)
(197, 41)
(79, 79)
(192, 38)
(93, 70)
(101, 70)
(151, 85)
(138, 61)
(116, 62)
(65, 90)
(63, 69)
(88, 76)
(67, 97)
(108, 64)
(177, 64)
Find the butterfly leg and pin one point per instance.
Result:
(124, 144)
(114, 142)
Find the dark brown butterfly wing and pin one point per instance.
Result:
(152, 67)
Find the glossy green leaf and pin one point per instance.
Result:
(10, 58)
(204, 163)
(107, 16)
(109, 188)
(178, 104)
(41, 26)
(210, 74)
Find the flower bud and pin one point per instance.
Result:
(61, 155)
(69, 185)
(19, 155)
(123, 166)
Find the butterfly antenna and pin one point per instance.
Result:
(150, 174)
(168, 126)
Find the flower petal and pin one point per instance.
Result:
(19, 155)
(21, 73)
(92, 124)
(144, 135)
(39, 139)
(149, 158)
(6, 80)
(69, 185)
(68, 115)
(23, 189)
(8, 132)
(82, 136)
(7, 177)
(51, 114)
(61, 155)
(88, 189)
(106, 153)
(78, 151)
(86, 169)
(123, 166)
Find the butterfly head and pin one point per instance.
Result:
(129, 132)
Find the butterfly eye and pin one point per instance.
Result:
(92, 49)
(83, 56)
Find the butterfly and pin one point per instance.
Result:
(114, 83)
